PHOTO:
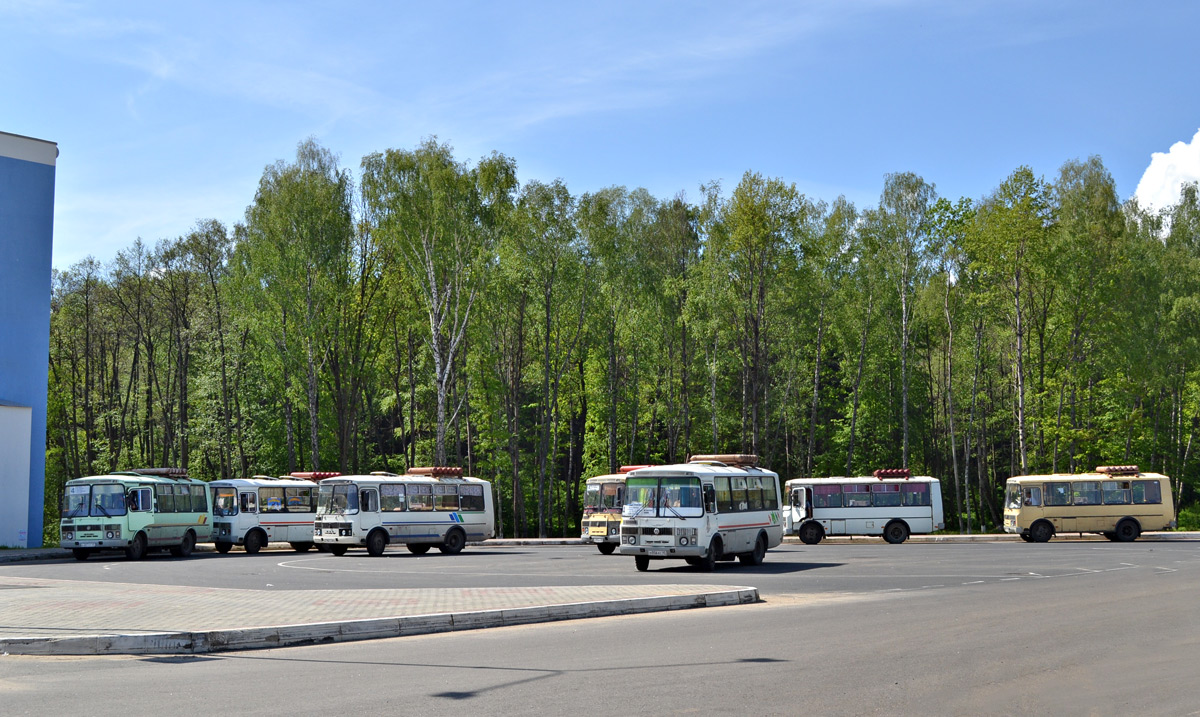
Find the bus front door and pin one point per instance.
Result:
(798, 509)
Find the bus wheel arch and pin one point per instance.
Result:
(1128, 530)
(1041, 531)
(454, 542)
(896, 532)
(138, 548)
(811, 533)
(256, 540)
(186, 545)
(377, 541)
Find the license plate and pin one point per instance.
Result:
(90, 544)
(657, 552)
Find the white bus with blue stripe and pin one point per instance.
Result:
(435, 507)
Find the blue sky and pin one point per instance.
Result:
(166, 113)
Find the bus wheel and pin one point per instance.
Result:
(137, 550)
(641, 562)
(1110, 535)
(454, 542)
(339, 549)
(223, 548)
(302, 547)
(376, 542)
(81, 553)
(755, 557)
(1041, 532)
(418, 548)
(896, 532)
(606, 548)
(255, 540)
(185, 548)
(811, 533)
(1026, 538)
(708, 563)
(1128, 530)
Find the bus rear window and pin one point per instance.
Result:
(916, 494)
(1146, 491)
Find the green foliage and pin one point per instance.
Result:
(440, 313)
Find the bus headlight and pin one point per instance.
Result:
(68, 535)
(630, 539)
(613, 530)
(109, 535)
(683, 540)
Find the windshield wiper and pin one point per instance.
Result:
(102, 510)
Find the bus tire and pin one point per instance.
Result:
(81, 553)
(186, 546)
(376, 542)
(1110, 535)
(811, 533)
(339, 549)
(895, 532)
(606, 548)
(223, 548)
(1128, 530)
(418, 548)
(302, 547)
(454, 543)
(1041, 531)
(641, 562)
(136, 549)
(708, 562)
(755, 557)
(1026, 538)
(256, 540)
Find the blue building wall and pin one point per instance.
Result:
(26, 239)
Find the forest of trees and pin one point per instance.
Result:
(426, 310)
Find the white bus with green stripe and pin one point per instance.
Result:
(713, 508)
(135, 511)
(432, 507)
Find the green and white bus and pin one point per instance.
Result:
(136, 511)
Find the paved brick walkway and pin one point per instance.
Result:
(32, 607)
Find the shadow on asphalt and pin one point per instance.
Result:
(769, 567)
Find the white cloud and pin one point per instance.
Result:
(1168, 171)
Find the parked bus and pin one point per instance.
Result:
(1119, 502)
(137, 511)
(891, 503)
(425, 508)
(263, 509)
(714, 507)
(603, 497)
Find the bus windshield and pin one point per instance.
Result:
(225, 501)
(100, 501)
(603, 497)
(337, 498)
(667, 497)
(1013, 500)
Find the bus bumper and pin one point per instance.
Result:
(99, 537)
(663, 551)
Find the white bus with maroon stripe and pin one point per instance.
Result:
(252, 512)
(892, 504)
(714, 507)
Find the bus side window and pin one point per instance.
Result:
(808, 502)
(369, 501)
(249, 503)
(710, 499)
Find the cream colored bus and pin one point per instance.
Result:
(1119, 502)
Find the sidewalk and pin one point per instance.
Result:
(66, 617)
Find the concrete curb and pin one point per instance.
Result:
(253, 638)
